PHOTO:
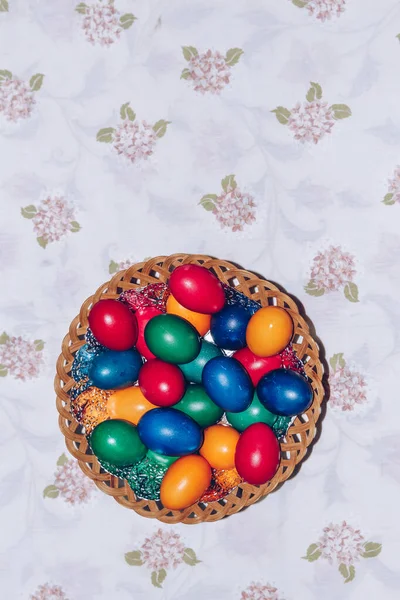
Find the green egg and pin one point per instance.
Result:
(198, 405)
(161, 459)
(255, 413)
(117, 442)
(193, 370)
(172, 339)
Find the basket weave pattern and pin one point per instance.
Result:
(294, 445)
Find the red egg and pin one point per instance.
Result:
(257, 366)
(257, 454)
(197, 289)
(162, 384)
(113, 325)
(143, 316)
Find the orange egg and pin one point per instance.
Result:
(185, 482)
(269, 331)
(199, 321)
(128, 404)
(219, 446)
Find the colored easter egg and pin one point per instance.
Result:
(172, 339)
(143, 316)
(198, 405)
(227, 383)
(193, 370)
(113, 370)
(197, 289)
(169, 431)
(113, 324)
(285, 392)
(128, 404)
(257, 454)
(185, 482)
(163, 384)
(219, 446)
(228, 327)
(269, 331)
(200, 321)
(117, 442)
(161, 459)
(255, 413)
(257, 366)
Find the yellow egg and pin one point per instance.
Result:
(185, 482)
(269, 331)
(128, 404)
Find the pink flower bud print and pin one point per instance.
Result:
(102, 23)
(52, 219)
(210, 71)
(259, 591)
(393, 194)
(49, 592)
(232, 208)
(70, 483)
(324, 10)
(20, 358)
(333, 270)
(17, 98)
(348, 387)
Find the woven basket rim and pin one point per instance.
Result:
(295, 446)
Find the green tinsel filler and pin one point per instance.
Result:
(145, 479)
(120, 472)
(281, 426)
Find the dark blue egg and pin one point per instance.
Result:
(285, 392)
(113, 369)
(227, 383)
(170, 432)
(228, 327)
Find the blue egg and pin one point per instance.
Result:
(228, 327)
(170, 432)
(235, 298)
(83, 360)
(112, 369)
(285, 392)
(227, 383)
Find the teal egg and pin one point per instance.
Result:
(117, 442)
(255, 413)
(196, 403)
(172, 339)
(194, 369)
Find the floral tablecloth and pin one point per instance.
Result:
(263, 132)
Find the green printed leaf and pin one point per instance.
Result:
(352, 574)
(157, 577)
(313, 290)
(81, 8)
(4, 337)
(372, 549)
(282, 114)
(189, 52)
(344, 571)
(112, 267)
(228, 183)
(313, 553)
(29, 211)
(336, 361)
(351, 291)
(105, 135)
(134, 559)
(127, 20)
(62, 460)
(3, 371)
(51, 491)
(3, 6)
(190, 557)
(389, 199)
(233, 56)
(207, 201)
(36, 82)
(341, 111)
(300, 3)
(42, 242)
(185, 74)
(39, 345)
(126, 112)
(74, 226)
(5, 75)
(398, 36)
(314, 92)
(161, 128)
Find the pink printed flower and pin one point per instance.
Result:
(101, 23)
(394, 188)
(341, 543)
(310, 121)
(53, 219)
(16, 99)
(72, 484)
(324, 10)
(163, 550)
(49, 592)
(20, 358)
(257, 591)
(232, 208)
(135, 141)
(332, 269)
(348, 388)
(209, 72)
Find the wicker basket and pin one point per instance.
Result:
(294, 445)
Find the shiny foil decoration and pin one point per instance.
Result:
(145, 479)
(75, 391)
(213, 493)
(91, 341)
(281, 426)
(227, 479)
(235, 298)
(291, 361)
(154, 294)
(121, 472)
(83, 360)
(90, 407)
